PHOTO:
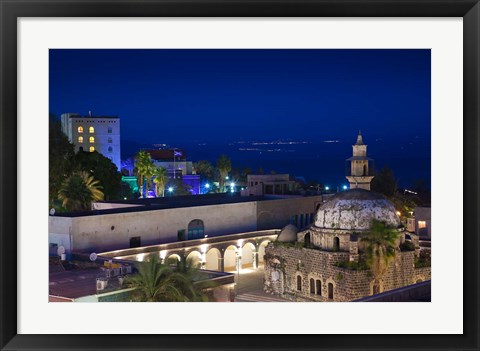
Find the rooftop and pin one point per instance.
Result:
(168, 202)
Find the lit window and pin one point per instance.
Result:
(91, 130)
(92, 139)
(80, 129)
(110, 130)
(422, 224)
(110, 149)
(110, 140)
(92, 149)
(80, 139)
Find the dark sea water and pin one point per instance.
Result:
(321, 161)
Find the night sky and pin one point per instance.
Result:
(182, 97)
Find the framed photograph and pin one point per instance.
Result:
(216, 152)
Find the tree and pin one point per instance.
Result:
(380, 245)
(103, 170)
(145, 170)
(161, 178)
(156, 282)
(79, 190)
(384, 182)
(60, 159)
(205, 169)
(224, 165)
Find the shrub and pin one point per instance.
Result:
(407, 246)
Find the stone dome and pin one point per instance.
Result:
(288, 234)
(355, 209)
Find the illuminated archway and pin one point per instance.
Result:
(195, 258)
(212, 257)
(261, 250)
(172, 259)
(247, 255)
(230, 259)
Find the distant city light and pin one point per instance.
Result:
(327, 188)
(227, 178)
(207, 186)
(344, 187)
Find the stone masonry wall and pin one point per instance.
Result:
(283, 264)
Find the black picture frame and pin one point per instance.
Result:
(10, 10)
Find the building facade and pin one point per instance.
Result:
(94, 133)
(326, 262)
(112, 226)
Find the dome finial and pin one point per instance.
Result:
(359, 138)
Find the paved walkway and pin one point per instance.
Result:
(250, 287)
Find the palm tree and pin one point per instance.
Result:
(161, 178)
(224, 165)
(79, 190)
(144, 167)
(156, 282)
(380, 245)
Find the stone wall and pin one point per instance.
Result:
(284, 264)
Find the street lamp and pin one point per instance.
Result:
(327, 188)
(344, 187)
(170, 190)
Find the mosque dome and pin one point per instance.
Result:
(288, 234)
(354, 210)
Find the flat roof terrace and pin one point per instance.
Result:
(159, 203)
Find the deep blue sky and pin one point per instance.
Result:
(215, 96)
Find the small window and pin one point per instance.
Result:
(109, 130)
(92, 139)
(80, 129)
(330, 291)
(91, 130)
(92, 149)
(319, 287)
(110, 149)
(312, 286)
(422, 224)
(109, 140)
(80, 139)
(299, 283)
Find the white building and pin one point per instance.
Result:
(94, 133)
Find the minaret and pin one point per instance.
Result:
(359, 175)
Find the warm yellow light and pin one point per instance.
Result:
(422, 224)
(92, 149)
(398, 213)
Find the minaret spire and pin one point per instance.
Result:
(359, 170)
(359, 138)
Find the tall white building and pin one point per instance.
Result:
(94, 133)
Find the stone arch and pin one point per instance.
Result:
(336, 243)
(212, 256)
(318, 284)
(248, 251)
(330, 289)
(230, 258)
(172, 259)
(418, 279)
(376, 288)
(299, 283)
(196, 229)
(307, 240)
(195, 258)
(261, 250)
